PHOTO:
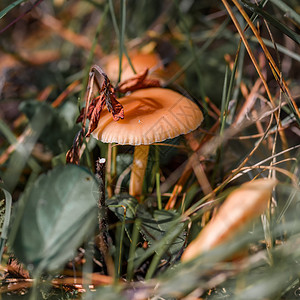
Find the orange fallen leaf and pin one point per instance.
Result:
(241, 206)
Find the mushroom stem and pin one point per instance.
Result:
(140, 159)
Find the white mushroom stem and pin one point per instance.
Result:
(140, 159)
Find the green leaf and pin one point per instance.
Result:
(118, 204)
(155, 227)
(54, 217)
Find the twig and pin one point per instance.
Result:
(102, 213)
(102, 216)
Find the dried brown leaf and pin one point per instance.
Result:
(107, 97)
(112, 104)
(93, 109)
(94, 115)
(139, 81)
(16, 269)
(73, 155)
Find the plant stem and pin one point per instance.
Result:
(135, 235)
(158, 194)
(139, 165)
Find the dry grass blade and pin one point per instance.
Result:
(243, 37)
(277, 73)
(238, 172)
(178, 188)
(249, 102)
(288, 174)
(270, 59)
(201, 176)
(212, 146)
(94, 279)
(65, 93)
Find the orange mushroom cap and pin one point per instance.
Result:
(140, 61)
(151, 115)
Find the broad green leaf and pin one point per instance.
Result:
(118, 204)
(54, 217)
(154, 228)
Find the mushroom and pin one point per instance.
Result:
(140, 62)
(151, 115)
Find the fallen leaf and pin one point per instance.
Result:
(241, 206)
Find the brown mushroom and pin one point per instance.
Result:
(151, 115)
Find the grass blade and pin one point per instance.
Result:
(135, 235)
(5, 130)
(273, 66)
(92, 52)
(273, 21)
(23, 149)
(280, 48)
(287, 10)
(122, 36)
(4, 233)
(223, 105)
(10, 7)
